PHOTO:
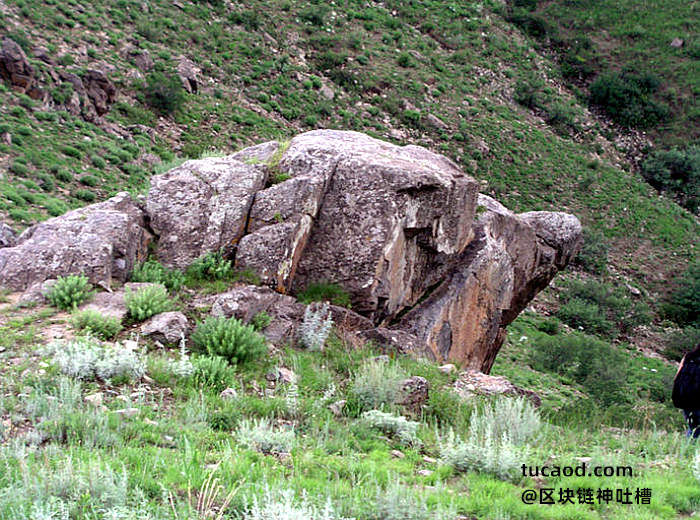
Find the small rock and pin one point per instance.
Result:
(327, 92)
(382, 359)
(436, 122)
(429, 460)
(397, 454)
(677, 43)
(425, 472)
(337, 407)
(229, 393)
(128, 412)
(414, 393)
(6, 138)
(94, 399)
(585, 460)
(166, 327)
(449, 368)
(284, 375)
(151, 422)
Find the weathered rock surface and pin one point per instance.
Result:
(414, 393)
(512, 258)
(166, 327)
(188, 73)
(102, 241)
(390, 220)
(15, 67)
(100, 90)
(472, 382)
(8, 237)
(202, 206)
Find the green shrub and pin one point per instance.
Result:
(212, 266)
(85, 195)
(147, 301)
(89, 180)
(586, 315)
(229, 338)
(593, 363)
(549, 326)
(627, 98)
(325, 292)
(104, 327)
(70, 291)
(213, 372)
(164, 92)
(678, 172)
(593, 256)
(681, 342)
(529, 92)
(71, 151)
(154, 272)
(683, 305)
(261, 320)
(19, 169)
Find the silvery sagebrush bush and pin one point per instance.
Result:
(282, 504)
(147, 301)
(87, 359)
(316, 326)
(396, 425)
(377, 384)
(262, 436)
(69, 291)
(183, 367)
(485, 454)
(515, 416)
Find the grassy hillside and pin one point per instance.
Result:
(487, 85)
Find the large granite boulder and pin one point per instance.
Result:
(103, 241)
(202, 206)
(512, 258)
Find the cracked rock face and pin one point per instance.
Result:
(202, 206)
(103, 241)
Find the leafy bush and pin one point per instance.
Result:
(94, 322)
(627, 98)
(146, 302)
(229, 338)
(260, 435)
(154, 272)
(601, 308)
(683, 305)
(212, 266)
(681, 342)
(325, 292)
(593, 256)
(678, 172)
(88, 359)
(70, 291)
(396, 425)
(261, 320)
(164, 92)
(585, 315)
(549, 326)
(213, 372)
(316, 326)
(376, 385)
(596, 365)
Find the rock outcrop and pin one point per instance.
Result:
(103, 241)
(15, 67)
(431, 266)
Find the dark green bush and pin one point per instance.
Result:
(678, 172)
(683, 305)
(154, 272)
(585, 315)
(593, 256)
(104, 327)
(164, 92)
(70, 291)
(146, 302)
(679, 343)
(212, 372)
(325, 292)
(627, 98)
(228, 338)
(212, 266)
